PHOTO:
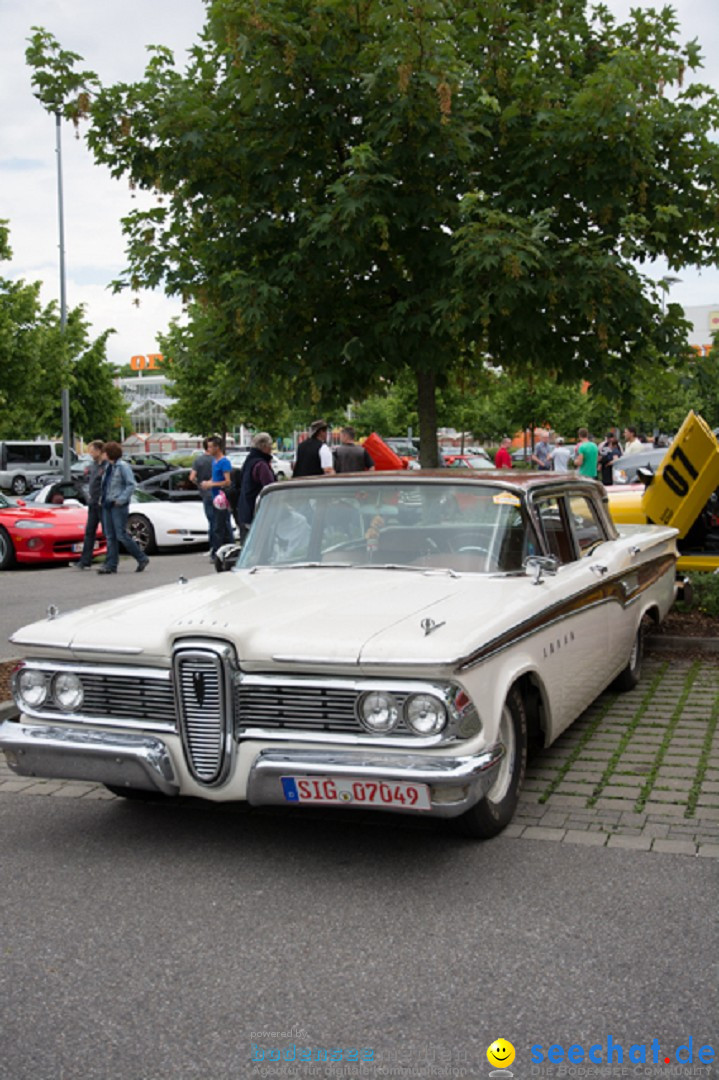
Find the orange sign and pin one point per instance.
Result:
(151, 362)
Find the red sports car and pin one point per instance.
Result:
(40, 533)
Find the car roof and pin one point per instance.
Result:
(520, 479)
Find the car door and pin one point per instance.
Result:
(573, 647)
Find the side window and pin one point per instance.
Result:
(28, 453)
(588, 529)
(554, 529)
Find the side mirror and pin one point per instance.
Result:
(537, 565)
(645, 475)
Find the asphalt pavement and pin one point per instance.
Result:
(186, 940)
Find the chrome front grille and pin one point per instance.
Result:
(201, 698)
(294, 705)
(124, 698)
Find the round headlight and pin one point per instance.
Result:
(67, 691)
(426, 715)
(378, 712)
(31, 688)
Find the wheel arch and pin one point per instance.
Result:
(536, 705)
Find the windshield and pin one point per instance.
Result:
(476, 529)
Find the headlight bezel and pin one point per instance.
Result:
(74, 703)
(42, 681)
(392, 707)
(420, 701)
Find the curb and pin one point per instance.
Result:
(662, 642)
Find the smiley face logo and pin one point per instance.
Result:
(500, 1053)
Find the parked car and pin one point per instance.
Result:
(152, 522)
(21, 461)
(387, 641)
(481, 462)
(174, 486)
(626, 467)
(31, 533)
(280, 466)
(146, 465)
(683, 492)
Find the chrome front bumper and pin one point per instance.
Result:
(455, 784)
(123, 760)
(144, 762)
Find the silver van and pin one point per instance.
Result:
(21, 462)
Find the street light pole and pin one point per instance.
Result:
(65, 393)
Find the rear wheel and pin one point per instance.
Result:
(19, 485)
(489, 816)
(7, 551)
(142, 533)
(629, 677)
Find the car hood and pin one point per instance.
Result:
(304, 617)
(58, 515)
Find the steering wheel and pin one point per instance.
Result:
(477, 549)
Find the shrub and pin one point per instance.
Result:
(706, 594)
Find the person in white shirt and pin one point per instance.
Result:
(559, 457)
(632, 445)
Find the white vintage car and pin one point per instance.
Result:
(392, 642)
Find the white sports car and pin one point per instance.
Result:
(386, 641)
(154, 523)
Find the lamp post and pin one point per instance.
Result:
(665, 285)
(65, 392)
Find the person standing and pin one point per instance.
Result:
(118, 484)
(314, 457)
(608, 454)
(632, 444)
(586, 456)
(256, 474)
(502, 458)
(217, 485)
(349, 457)
(94, 510)
(540, 457)
(559, 456)
(202, 470)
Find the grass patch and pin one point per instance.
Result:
(666, 741)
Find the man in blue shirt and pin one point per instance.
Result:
(218, 485)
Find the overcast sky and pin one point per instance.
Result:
(112, 38)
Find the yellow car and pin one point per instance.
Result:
(683, 493)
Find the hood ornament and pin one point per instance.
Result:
(52, 612)
(429, 626)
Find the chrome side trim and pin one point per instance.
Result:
(470, 777)
(132, 761)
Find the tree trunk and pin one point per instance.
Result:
(427, 411)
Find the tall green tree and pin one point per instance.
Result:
(38, 358)
(362, 189)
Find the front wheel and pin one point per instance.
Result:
(19, 485)
(7, 551)
(629, 676)
(142, 532)
(489, 816)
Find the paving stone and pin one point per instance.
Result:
(708, 851)
(674, 847)
(537, 832)
(576, 789)
(512, 830)
(659, 795)
(653, 829)
(661, 811)
(708, 800)
(72, 791)
(634, 843)
(571, 802)
(621, 791)
(620, 805)
(590, 839)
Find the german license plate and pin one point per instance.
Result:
(345, 791)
